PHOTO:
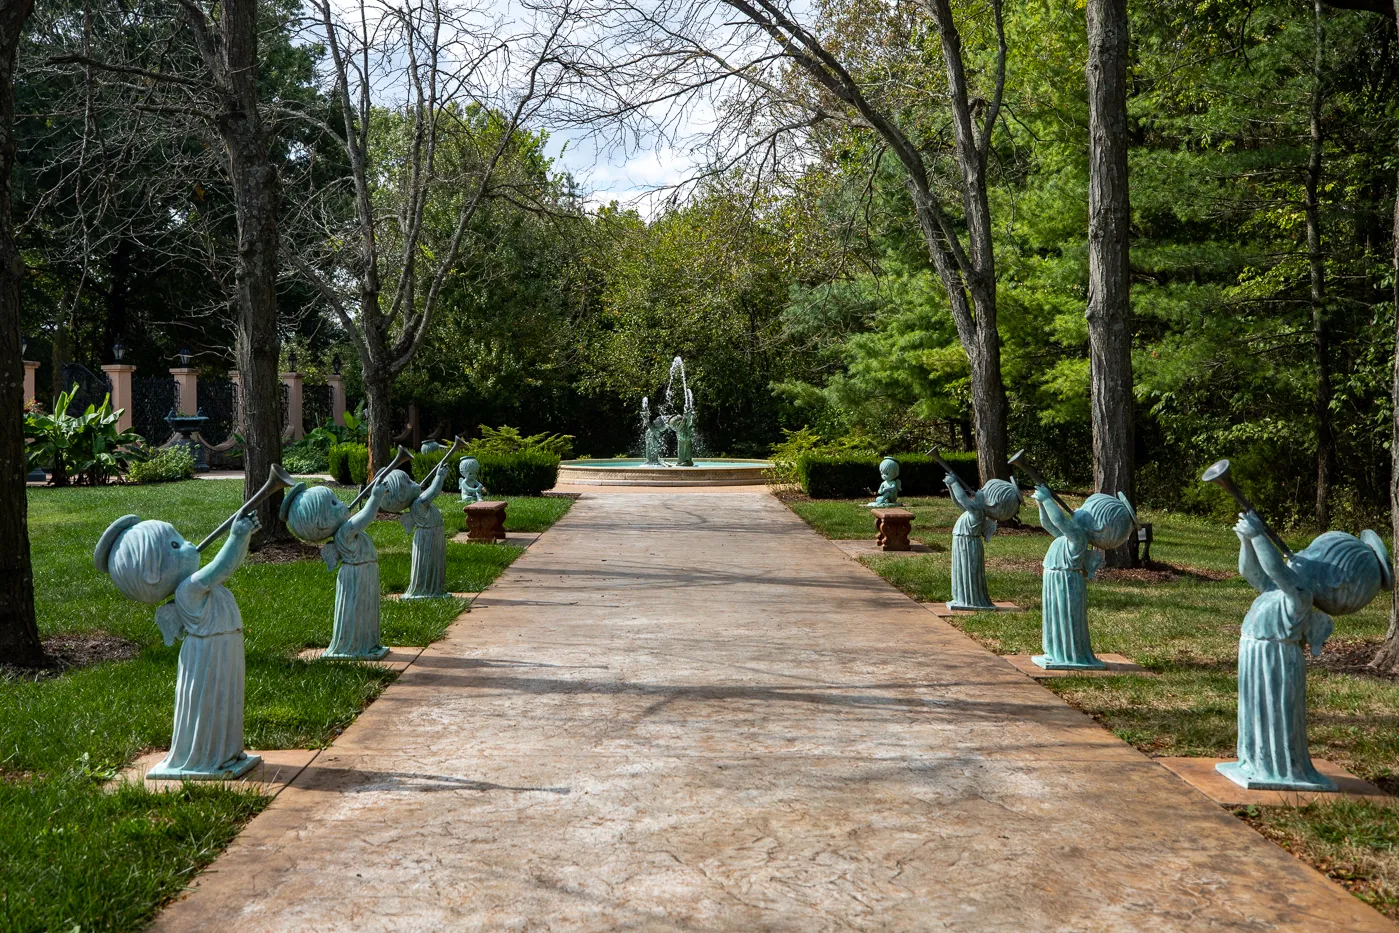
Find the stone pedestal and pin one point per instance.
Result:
(31, 367)
(120, 376)
(485, 521)
(337, 398)
(893, 526)
(187, 384)
(296, 428)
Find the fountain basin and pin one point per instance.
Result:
(636, 472)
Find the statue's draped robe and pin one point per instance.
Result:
(1272, 743)
(969, 552)
(1064, 598)
(355, 633)
(208, 733)
(428, 579)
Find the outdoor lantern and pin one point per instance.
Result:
(118, 351)
(184, 356)
(335, 363)
(291, 360)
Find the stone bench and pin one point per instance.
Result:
(893, 526)
(485, 521)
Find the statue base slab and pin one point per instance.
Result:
(1113, 664)
(1050, 664)
(949, 609)
(271, 771)
(1233, 770)
(231, 771)
(1202, 774)
(395, 659)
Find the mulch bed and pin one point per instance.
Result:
(1350, 657)
(285, 552)
(1152, 572)
(77, 650)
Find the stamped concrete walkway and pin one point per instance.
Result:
(689, 712)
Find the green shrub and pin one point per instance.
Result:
(87, 447)
(424, 462)
(357, 458)
(338, 461)
(507, 440)
(838, 475)
(306, 456)
(164, 466)
(524, 473)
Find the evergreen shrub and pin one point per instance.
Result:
(523, 473)
(826, 475)
(165, 465)
(424, 462)
(338, 462)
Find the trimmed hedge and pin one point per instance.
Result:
(338, 462)
(357, 458)
(852, 475)
(522, 473)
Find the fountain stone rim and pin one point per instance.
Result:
(633, 471)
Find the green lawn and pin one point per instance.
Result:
(1183, 626)
(74, 857)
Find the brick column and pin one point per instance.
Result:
(337, 398)
(30, 368)
(296, 428)
(187, 381)
(122, 398)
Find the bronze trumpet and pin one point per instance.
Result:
(1218, 473)
(277, 480)
(400, 458)
(1019, 459)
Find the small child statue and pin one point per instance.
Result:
(421, 519)
(1337, 574)
(469, 485)
(995, 502)
(1101, 522)
(149, 561)
(888, 494)
(317, 516)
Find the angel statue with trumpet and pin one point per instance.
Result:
(149, 561)
(317, 516)
(421, 519)
(1080, 537)
(996, 501)
(1336, 574)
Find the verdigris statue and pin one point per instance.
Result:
(994, 502)
(317, 516)
(468, 480)
(655, 440)
(150, 561)
(422, 520)
(1298, 594)
(684, 427)
(888, 493)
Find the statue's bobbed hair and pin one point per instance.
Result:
(889, 465)
(468, 468)
(1002, 499)
(140, 560)
(1109, 521)
(399, 492)
(312, 514)
(1344, 572)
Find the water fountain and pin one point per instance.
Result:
(653, 468)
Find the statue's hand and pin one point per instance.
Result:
(1042, 494)
(951, 479)
(244, 526)
(1249, 525)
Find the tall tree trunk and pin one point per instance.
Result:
(1325, 435)
(378, 397)
(19, 635)
(1109, 274)
(1388, 657)
(255, 192)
